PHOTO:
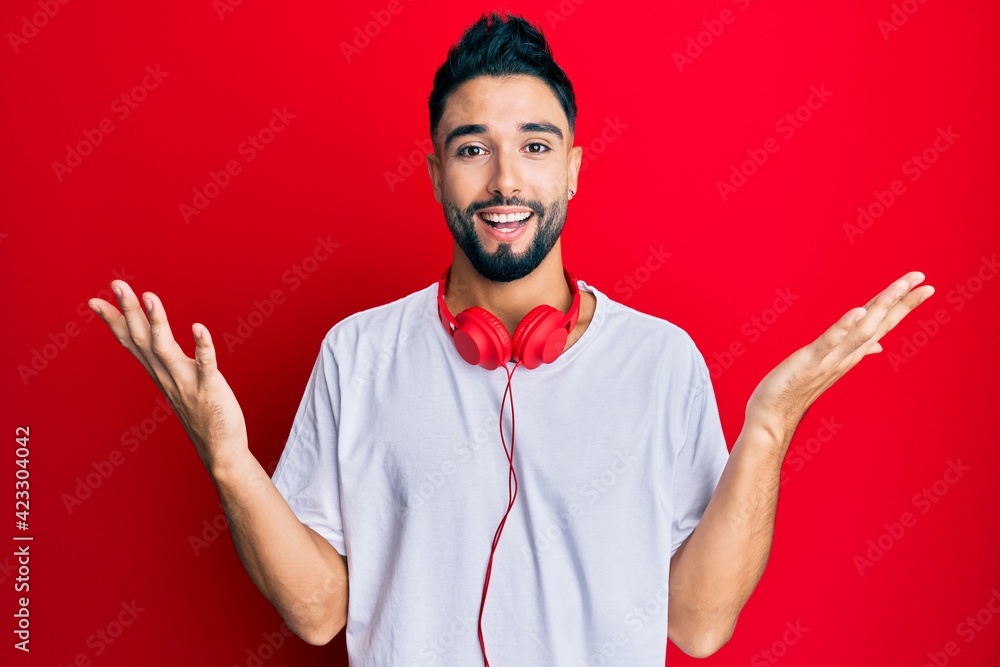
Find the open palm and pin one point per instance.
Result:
(195, 388)
(783, 396)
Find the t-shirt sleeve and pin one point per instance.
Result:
(308, 474)
(700, 461)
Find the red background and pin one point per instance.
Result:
(655, 183)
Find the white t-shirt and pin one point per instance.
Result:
(395, 457)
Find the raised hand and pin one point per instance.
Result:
(195, 388)
(783, 396)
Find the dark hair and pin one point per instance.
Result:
(500, 46)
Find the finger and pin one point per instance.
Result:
(902, 308)
(836, 334)
(897, 308)
(165, 348)
(141, 333)
(868, 326)
(109, 313)
(204, 353)
(135, 319)
(116, 322)
(912, 278)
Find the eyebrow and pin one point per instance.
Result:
(482, 128)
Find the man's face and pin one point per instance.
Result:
(499, 152)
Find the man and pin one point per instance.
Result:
(634, 523)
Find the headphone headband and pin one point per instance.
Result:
(485, 340)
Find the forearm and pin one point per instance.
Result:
(713, 574)
(295, 568)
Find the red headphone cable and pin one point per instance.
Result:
(510, 498)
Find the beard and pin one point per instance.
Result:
(504, 265)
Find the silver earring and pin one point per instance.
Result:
(571, 193)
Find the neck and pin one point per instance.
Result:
(510, 302)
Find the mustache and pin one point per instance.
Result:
(500, 202)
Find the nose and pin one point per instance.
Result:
(505, 179)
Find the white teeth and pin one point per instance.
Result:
(503, 217)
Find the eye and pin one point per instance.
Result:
(538, 143)
(465, 148)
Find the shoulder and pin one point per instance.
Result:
(388, 321)
(638, 324)
(663, 342)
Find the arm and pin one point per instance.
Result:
(714, 572)
(717, 568)
(295, 568)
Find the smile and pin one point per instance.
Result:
(505, 226)
(505, 223)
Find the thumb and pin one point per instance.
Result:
(204, 352)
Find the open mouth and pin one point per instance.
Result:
(506, 223)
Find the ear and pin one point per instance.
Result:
(575, 159)
(434, 170)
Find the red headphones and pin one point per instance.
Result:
(482, 339)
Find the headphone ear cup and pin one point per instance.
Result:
(539, 339)
(482, 339)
